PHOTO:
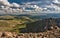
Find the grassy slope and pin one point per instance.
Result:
(13, 23)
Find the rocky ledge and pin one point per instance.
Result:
(55, 33)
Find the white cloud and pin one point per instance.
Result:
(56, 1)
(15, 5)
(34, 2)
(5, 2)
(45, 5)
(52, 7)
(5, 6)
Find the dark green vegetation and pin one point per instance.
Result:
(42, 25)
(27, 24)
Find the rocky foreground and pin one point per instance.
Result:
(55, 33)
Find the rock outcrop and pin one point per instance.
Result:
(55, 33)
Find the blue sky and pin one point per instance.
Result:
(24, 1)
(21, 1)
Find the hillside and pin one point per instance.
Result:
(9, 23)
(42, 25)
(26, 27)
(27, 24)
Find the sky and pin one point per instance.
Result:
(22, 1)
(48, 5)
(54, 4)
(37, 2)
